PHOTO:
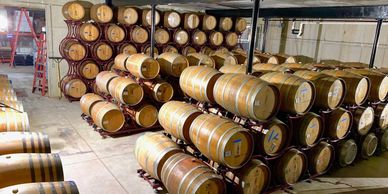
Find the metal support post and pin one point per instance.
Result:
(255, 15)
(376, 42)
(153, 13)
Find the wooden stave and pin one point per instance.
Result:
(222, 59)
(24, 142)
(181, 37)
(146, 17)
(15, 106)
(203, 123)
(30, 168)
(352, 83)
(127, 48)
(302, 129)
(102, 51)
(211, 78)
(246, 185)
(65, 86)
(320, 81)
(138, 113)
(216, 38)
(92, 73)
(115, 33)
(332, 123)
(101, 9)
(99, 112)
(136, 61)
(103, 79)
(92, 34)
(170, 48)
(225, 24)
(198, 38)
(280, 165)
(177, 121)
(314, 155)
(68, 47)
(190, 21)
(188, 50)
(123, 89)
(87, 102)
(135, 30)
(381, 112)
(68, 187)
(158, 156)
(285, 105)
(369, 145)
(359, 116)
(165, 36)
(254, 88)
(233, 69)
(206, 50)
(122, 15)
(86, 9)
(263, 138)
(169, 66)
(205, 20)
(153, 88)
(269, 67)
(231, 39)
(199, 59)
(240, 24)
(146, 49)
(166, 19)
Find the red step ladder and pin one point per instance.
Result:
(40, 78)
(15, 39)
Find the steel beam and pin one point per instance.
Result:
(255, 14)
(375, 43)
(153, 13)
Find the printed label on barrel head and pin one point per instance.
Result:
(228, 153)
(237, 147)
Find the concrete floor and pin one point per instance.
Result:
(101, 166)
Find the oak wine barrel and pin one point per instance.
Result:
(231, 39)
(152, 150)
(89, 32)
(347, 152)
(198, 38)
(73, 87)
(363, 120)
(107, 116)
(222, 49)
(147, 50)
(330, 90)
(297, 95)
(369, 145)
(233, 69)
(109, 65)
(162, 36)
(29, 168)
(115, 33)
(127, 15)
(247, 96)
(101, 13)
(181, 37)
(147, 17)
(198, 82)
(357, 86)
(74, 50)
(379, 83)
(171, 19)
(283, 58)
(176, 117)
(338, 123)
(384, 141)
(88, 69)
(222, 58)
(264, 57)
(170, 49)
(240, 25)
(77, 10)
(172, 64)
(138, 35)
(188, 50)
(7, 92)
(254, 177)
(216, 38)
(242, 58)
(125, 90)
(221, 140)
(103, 51)
(142, 66)
(206, 50)
(183, 174)
(160, 90)
(199, 59)
(290, 167)
(381, 111)
(298, 66)
(11, 106)
(103, 79)
(87, 102)
(128, 48)
(274, 138)
(309, 129)
(320, 158)
(64, 187)
(24, 142)
(190, 21)
(225, 24)
(269, 67)
(209, 22)
(145, 115)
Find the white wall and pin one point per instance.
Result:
(343, 42)
(56, 30)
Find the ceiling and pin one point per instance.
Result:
(228, 4)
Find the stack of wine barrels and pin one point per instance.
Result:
(97, 33)
(28, 166)
(12, 115)
(329, 117)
